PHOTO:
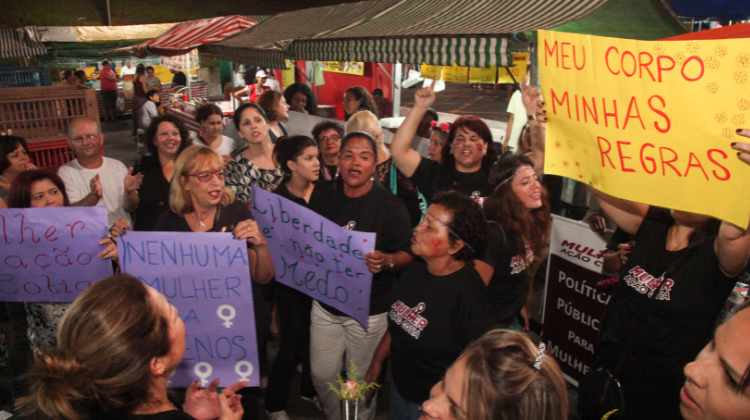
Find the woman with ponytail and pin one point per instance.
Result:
(116, 364)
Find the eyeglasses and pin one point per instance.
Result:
(451, 232)
(84, 137)
(207, 176)
(334, 137)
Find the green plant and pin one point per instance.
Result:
(353, 387)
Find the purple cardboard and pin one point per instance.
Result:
(50, 254)
(315, 255)
(206, 276)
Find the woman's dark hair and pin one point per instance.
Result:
(289, 149)
(268, 101)
(19, 195)
(365, 99)
(324, 126)
(237, 117)
(359, 135)
(83, 377)
(154, 126)
(151, 93)
(467, 224)
(475, 124)
(294, 88)
(206, 110)
(504, 207)
(8, 145)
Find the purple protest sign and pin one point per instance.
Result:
(315, 255)
(206, 276)
(50, 254)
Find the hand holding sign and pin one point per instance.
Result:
(425, 97)
(743, 147)
(249, 231)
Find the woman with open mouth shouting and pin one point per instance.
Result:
(359, 203)
(467, 155)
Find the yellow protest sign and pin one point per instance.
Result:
(453, 74)
(518, 69)
(649, 121)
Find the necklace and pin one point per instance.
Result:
(201, 223)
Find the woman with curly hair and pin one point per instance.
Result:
(166, 138)
(300, 98)
(520, 219)
(438, 305)
(500, 376)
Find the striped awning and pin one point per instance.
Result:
(445, 32)
(268, 58)
(185, 36)
(21, 43)
(444, 51)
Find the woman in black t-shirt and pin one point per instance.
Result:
(671, 289)
(298, 158)
(519, 232)
(438, 306)
(467, 156)
(166, 137)
(116, 364)
(359, 203)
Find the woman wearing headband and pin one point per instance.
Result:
(519, 225)
(438, 305)
(502, 375)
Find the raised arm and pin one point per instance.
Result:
(406, 158)
(732, 247)
(628, 215)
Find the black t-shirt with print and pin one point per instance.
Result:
(432, 177)
(510, 280)
(377, 211)
(661, 323)
(431, 320)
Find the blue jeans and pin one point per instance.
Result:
(401, 408)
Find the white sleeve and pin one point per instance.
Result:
(75, 186)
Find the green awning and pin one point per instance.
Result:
(635, 19)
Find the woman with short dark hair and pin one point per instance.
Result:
(359, 203)
(438, 305)
(166, 138)
(300, 98)
(211, 131)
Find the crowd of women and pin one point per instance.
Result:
(459, 235)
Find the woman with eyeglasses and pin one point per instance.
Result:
(358, 203)
(520, 220)
(166, 137)
(438, 305)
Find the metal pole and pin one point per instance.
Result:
(109, 14)
(396, 82)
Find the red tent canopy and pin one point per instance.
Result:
(740, 30)
(185, 36)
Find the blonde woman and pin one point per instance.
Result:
(501, 375)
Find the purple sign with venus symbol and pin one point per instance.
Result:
(316, 256)
(206, 276)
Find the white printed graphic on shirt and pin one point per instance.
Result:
(410, 319)
(521, 262)
(646, 284)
